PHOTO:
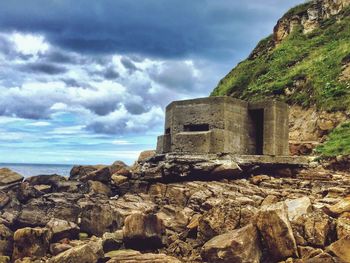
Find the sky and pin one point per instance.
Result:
(87, 82)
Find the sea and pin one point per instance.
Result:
(29, 169)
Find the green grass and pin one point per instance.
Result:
(313, 59)
(338, 142)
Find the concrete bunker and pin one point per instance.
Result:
(225, 125)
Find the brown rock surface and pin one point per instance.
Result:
(240, 246)
(276, 231)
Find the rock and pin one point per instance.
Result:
(102, 175)
(98, 217)
(6, 241)
(146, 155)
(341, 248)
(276, 231)
(175, 218)
(343, 225)
(119, 179)
(61, 229)
(218, 220)
(112, 241)
(4, 259)
(58, 248)
(143, 231)
(8, 177)
(79, 171)
(96, 187)
(132, 256)
(39, 211)
(86, 253)
(26, 192)
(298, 207)
(31, 242)
(4, 199)
(117, 166)
(52, 179)
(241, 245)
(341, 207)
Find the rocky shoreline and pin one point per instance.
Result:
(116, 214)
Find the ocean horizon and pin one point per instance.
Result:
(32, 169)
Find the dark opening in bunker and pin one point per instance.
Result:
(196, 127)
(257, 117)
(167, 131)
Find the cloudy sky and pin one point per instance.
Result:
(87, 81)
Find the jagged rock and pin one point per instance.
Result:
(26, 192)
(86, 253)
(97, 187)
(102, 175)
(343, 225)
(53, 183)
(298, 207)
(175, 218)
(112, 241)
(241, 246)
(4, 259)
(6, 241)
(132, 256)
(143, 231)
(31, 242)
(119, 179)
(98, 217)
(118, 167)
(39, 211)
(8, 177)
(341, 248)
(4, 199)
(87, 172)
(341, 207)
(180, 248)
(62, 229)
(276, 231)
(144, 155)
(57, 248)
(220, 219)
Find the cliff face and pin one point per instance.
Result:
(309, 16)
(306, 63)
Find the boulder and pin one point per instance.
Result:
(143, 231)
(240, 246)
(112, 241)
(8, 177)
(119, 167)
(221, 218)
(341, 248)
(298, 207)
(276, 231)
(4, 199)
(58, 248)
(6, 241)
(82, 171)
(341, 207)
(61, 229)
(4, 259)
(132, 256)
(85, 253)
(101, 175)
(343, 225)
(39, 211)
(146, 155)
(98, 217)
(96, 187)
(31, 242)
(119, 179)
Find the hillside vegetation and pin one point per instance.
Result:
(305, 68)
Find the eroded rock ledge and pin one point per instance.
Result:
(113, 214)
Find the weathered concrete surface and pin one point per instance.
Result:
(225, 124)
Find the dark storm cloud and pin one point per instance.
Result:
(172, 28)
(110, 74)
(42, 67)
(128, 64)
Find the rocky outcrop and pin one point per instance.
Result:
(31, 242)
(289, 214)
(308, 17)
(8, 177)
(241, 246)
(143, 231)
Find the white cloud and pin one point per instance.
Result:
(39, 124)
(29, 44)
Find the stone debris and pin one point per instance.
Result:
(287, 214)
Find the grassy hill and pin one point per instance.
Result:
(303, 69)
